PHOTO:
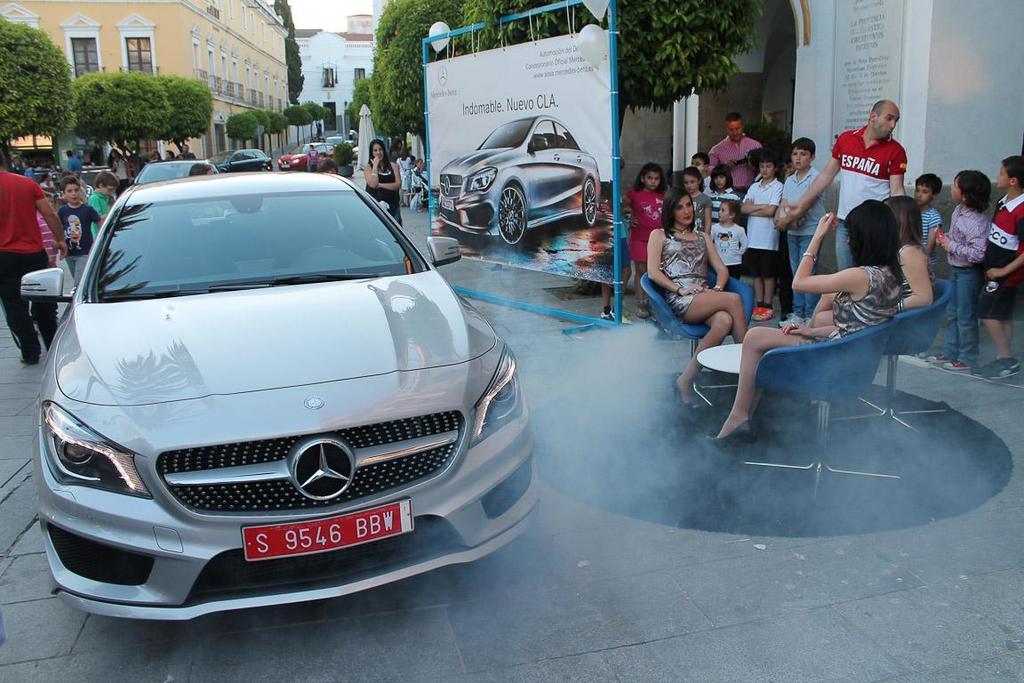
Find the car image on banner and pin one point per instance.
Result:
(527, 173)
(520, 165)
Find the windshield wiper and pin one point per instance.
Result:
(292, 280)
(136, 296)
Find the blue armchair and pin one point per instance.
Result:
(913, 333)
(828, 371)
(676, 328)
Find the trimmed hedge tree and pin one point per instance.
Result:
(242, 126)
(35, 84)
(120, 108)
(667, 48)
(190, 109)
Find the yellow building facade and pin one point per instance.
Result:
(236, 47)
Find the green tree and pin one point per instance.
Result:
(262, 119)
(278, 124)
(397, 92)
(242, 126)
(667, 48)
(316, 113)
(361, 94)
(190, 108)
(291, 51)
(297, 115)
(120, 108)
(35, 84)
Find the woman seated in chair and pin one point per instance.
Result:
(918, 277)
(868, 294)
(677, 261)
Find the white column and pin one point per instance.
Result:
(692, 109)
(679, 158)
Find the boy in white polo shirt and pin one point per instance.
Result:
(761, 260)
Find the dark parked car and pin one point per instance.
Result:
(233, 161)
(527, 173)
(156, 171)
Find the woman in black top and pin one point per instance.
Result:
(383, 179)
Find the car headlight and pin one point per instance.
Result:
(500, 402)
(81, 456)
(481, 180)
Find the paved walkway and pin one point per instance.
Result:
(585, 594)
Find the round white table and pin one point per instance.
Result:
(725, 358)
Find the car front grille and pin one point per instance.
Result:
(453, 183)
(280, 494)
(229, 575)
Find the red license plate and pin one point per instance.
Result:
(331, 533)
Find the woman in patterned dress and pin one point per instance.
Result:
(677, 261)
(868, 294)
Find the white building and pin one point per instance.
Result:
(819, 65)
(331, 65)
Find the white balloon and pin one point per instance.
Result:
(597, 7)
(436, 29)
(592, 42)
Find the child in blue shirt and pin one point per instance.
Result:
(77, 217)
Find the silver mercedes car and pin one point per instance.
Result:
(527, 173)
(262, 393)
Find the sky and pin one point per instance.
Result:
(329, 15)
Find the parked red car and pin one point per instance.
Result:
(300, 160)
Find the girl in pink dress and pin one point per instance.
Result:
(644, 201)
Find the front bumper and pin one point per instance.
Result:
(182, 545)
(475, 213)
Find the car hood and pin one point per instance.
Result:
(154, 351)
(474, 161)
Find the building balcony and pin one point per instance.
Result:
(260, 98)
(213, 11)
(199, 75)
(252, 96)
(218, 84)
(229, 89)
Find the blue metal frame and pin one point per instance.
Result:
(617, 229)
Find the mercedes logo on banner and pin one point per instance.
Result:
(442, 75)
(321, 468)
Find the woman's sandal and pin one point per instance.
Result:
(741, 435)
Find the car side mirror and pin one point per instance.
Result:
(443, 250)
(44, 286)
(538, 143)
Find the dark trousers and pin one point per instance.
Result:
(18, 312)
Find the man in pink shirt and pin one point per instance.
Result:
(733, 151)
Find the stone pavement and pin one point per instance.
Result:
(586, 594)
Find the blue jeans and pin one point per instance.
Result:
(962, 315)
(844, 257)
(803, 304)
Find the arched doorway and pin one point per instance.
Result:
(764, 88)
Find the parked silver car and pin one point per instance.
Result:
(262, 393)
(527, 173)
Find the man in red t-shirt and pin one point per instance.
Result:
(21, 252)
(870, 165)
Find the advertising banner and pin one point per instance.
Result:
(520, 157)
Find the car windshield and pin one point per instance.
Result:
(219, 157)
(155, 172)
(510, 135)
(240, 242)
